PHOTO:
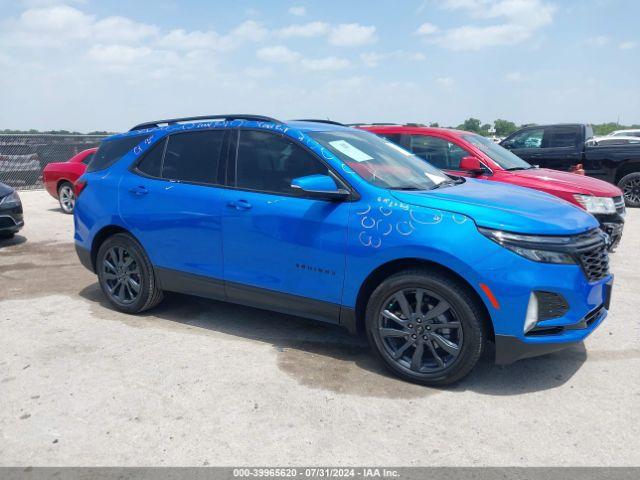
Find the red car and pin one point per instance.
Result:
(59, 178)
(468, 154)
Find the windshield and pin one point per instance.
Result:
(498, 154)
(379, 161)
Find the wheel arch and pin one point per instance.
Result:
(630, 166)
(384, 271)
(100, 237)
(60, 181)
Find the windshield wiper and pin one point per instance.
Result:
(407, 188)
(518, 168)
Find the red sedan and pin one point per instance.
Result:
(59, 178)
(468, 154)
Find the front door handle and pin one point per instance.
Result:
(239, 205)
(139, 190)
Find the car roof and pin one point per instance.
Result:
(412, 129)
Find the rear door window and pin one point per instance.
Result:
(194, 156)
(437, 151)
(561, 137)
(111, 151)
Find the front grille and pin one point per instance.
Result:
(619, 203)
(591, 250)
(551, 305)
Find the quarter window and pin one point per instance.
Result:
(151, 163)
(437, 151)
(268, 162)
(193, 156)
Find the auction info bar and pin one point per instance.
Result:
(409, 473)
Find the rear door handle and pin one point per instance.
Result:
(139, 190)
(240, 205)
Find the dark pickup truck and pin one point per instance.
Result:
(565, 147)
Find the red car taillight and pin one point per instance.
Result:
(79, 186)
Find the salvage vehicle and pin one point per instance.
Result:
(11, 215)
(336, 224)
(631, 132)
(469, 154)
(59, 178)
(566, 147)
(19, 163)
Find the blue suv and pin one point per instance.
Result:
(316, 219)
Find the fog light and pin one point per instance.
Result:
(532, 313)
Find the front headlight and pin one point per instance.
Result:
(539, 248)
(11, 200)
(596, 204)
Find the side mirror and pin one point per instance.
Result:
(319, 186)
(471, 165)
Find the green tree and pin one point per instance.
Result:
(470, 125)
(434, 124)
(504, 127)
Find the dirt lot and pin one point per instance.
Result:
(199, 382)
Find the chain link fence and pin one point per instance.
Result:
(24, 156)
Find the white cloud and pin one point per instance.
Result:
(445, 82)
(250, 31)
(427, 29)
(311, 29)
(598, 41)
(627, 45)
(374, 59)
(121, 29)
(278, 54)
(193, 40)
(118, 54)
(514, 77)
(323, 64)
(352, 35)
(520, 20)
(298, 11)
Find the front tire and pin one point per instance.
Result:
(630, 186)
(67, 197)
(126, 275)
(7, 235)
(425, 327)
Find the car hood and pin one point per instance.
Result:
(555, 180)
(5, 190)
(505, 207)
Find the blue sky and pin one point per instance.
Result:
(94, 65)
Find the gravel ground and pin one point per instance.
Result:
(198, 382)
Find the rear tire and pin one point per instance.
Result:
(67, 197)
(630, 186)
(408, 335)
(126, 275)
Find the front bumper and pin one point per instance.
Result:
(11, 219)
(510, 349)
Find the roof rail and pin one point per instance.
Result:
(233, 116)
(319, 120)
